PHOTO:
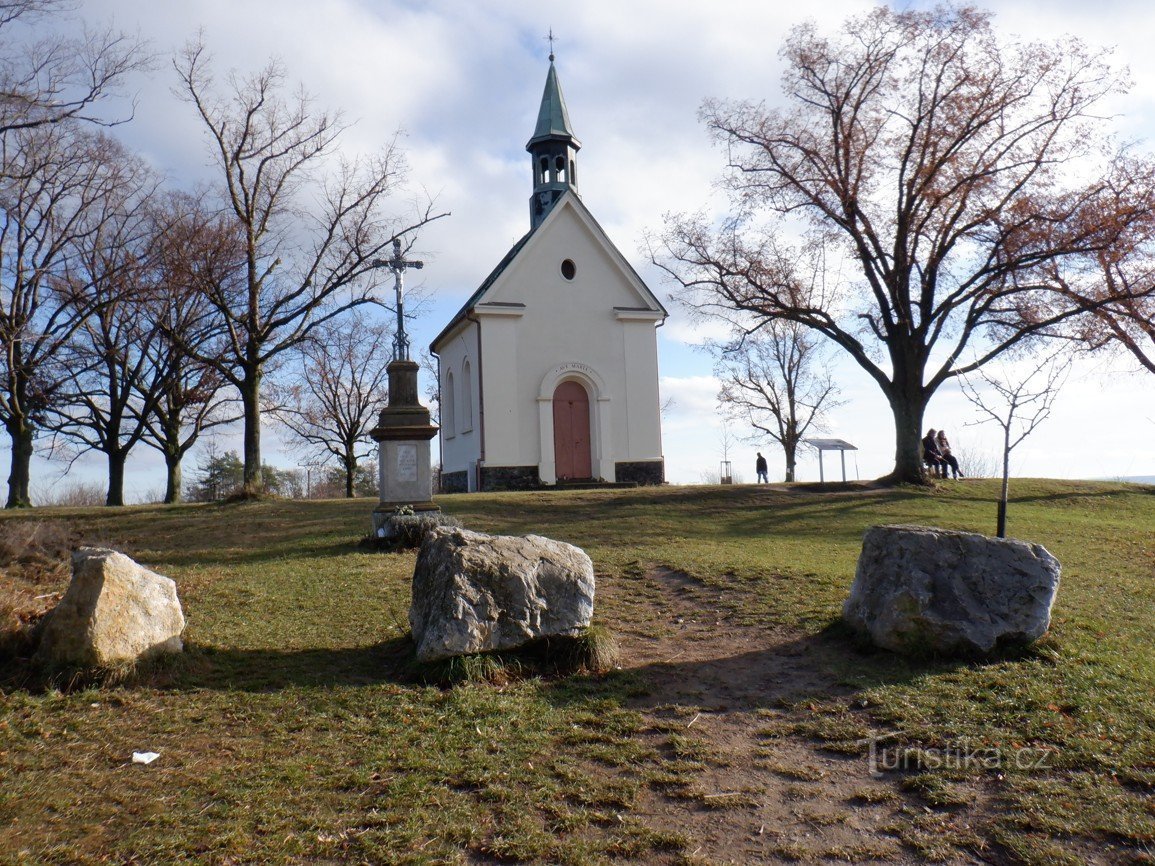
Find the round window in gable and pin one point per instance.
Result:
(568, 269)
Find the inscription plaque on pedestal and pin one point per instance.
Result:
(402, 433)
(406, 462)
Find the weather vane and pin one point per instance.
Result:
(397, 265)
(550, 37)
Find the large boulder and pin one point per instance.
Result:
(924, 590)
(475, 593)
(113, 612)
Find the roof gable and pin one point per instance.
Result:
(569, 203)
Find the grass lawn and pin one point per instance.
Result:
(292, 731)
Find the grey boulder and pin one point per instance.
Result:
(923, 590)
(114, 611)
(477, 593)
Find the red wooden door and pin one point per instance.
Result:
(571, 431)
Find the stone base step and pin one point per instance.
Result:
(592, 485)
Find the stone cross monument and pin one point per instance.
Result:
(403, 430)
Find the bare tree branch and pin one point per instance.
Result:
(304, 266)
(932, 197)
(343, 387)
(56, 204)
(777, 382)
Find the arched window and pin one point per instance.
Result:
(448, 405)
(466, 397)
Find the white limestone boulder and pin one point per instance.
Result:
(476, 593)
(114, 611)
(923, 590)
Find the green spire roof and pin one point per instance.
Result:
(552, 117)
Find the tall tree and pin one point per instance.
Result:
(196, 254)
(62, 176)
(342, 387)
(776, 381)
(112, 383)
(946, 175)
(305, 263)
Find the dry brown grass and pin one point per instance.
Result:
(34, 571)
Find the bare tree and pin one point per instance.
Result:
(195, 253)
(1018, 404)
(111, 383)
(305, 264)
(927, 169)
(727, 440)
(47, 77)
(777, 382)
(343, 386)
(63, 177)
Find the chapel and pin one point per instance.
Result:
(549, 372)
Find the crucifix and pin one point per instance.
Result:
(398, 264)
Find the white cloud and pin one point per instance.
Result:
(463, 81)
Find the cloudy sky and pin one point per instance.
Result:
(461, 82)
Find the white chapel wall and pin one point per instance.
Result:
(568, 321)
(461, 445)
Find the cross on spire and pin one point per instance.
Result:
(397, 265)
(550, 37)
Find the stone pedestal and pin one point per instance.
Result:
(402, 434)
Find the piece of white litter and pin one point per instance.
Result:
(144, 757)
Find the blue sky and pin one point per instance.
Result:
(462, 82)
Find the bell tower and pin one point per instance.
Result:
(552, 149)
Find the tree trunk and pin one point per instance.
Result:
(790, 461)
(1001, 521)
(19, 475)
(251, 400)
(350, 475)
(908, 410)
(116, 461)
(172, 484)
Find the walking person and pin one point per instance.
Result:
(761, 469)
(945, 452)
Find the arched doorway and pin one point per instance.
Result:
(571, 431)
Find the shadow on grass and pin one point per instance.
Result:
(260, 553)
(224, 669)
(731, 513)
(1073, 495)
(831, 664)
(834, 664)
(268, 670)
(201, 668)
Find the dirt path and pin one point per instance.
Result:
(722, 703)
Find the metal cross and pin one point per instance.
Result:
(398, 264)
(550, 37)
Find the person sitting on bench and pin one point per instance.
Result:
(932, 457)
(948, 458)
